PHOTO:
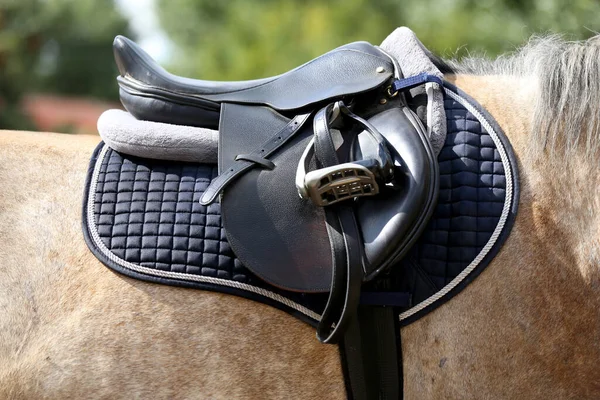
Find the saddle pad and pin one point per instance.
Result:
(143, 218)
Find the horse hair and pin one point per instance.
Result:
(568, 97)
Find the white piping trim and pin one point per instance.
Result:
(93, 230)
(276, 297)
(503, 217)
(429, 91)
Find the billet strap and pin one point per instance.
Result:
(386, 299)
(245, 162)
(344, 238)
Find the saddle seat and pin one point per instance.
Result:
(151, 93)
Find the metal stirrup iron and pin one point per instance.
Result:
(349, 180)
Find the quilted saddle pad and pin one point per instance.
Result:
(143, 218)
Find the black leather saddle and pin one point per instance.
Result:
(149, 92)
(326, 176)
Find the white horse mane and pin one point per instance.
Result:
(568, 95)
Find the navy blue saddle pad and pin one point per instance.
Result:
(143, 218)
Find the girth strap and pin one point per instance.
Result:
(371, 355)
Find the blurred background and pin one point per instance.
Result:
(57, 71)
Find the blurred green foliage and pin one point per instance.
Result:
(243, 39)
(64, 46)
(58, 46)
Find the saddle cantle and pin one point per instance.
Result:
(150, 93)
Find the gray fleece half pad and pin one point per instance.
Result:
(142, 218)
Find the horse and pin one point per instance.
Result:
(527, 327)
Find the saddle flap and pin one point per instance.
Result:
(242, 129)
(283, 238)
(276, 234)
(392, 221)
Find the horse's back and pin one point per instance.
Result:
(70, 328)
(41, 176)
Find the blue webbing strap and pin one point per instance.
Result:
(393, 299)
(413, 81)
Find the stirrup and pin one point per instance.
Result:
(326, 186)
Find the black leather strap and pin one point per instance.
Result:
(372, 353)
(369, 334)
(382, 156)
(347, 273)
(242, 164)
(256, 159)
(344, 238)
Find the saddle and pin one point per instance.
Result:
(326, 178)
(372, 180)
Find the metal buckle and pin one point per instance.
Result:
(337, 183)
(390, 93)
